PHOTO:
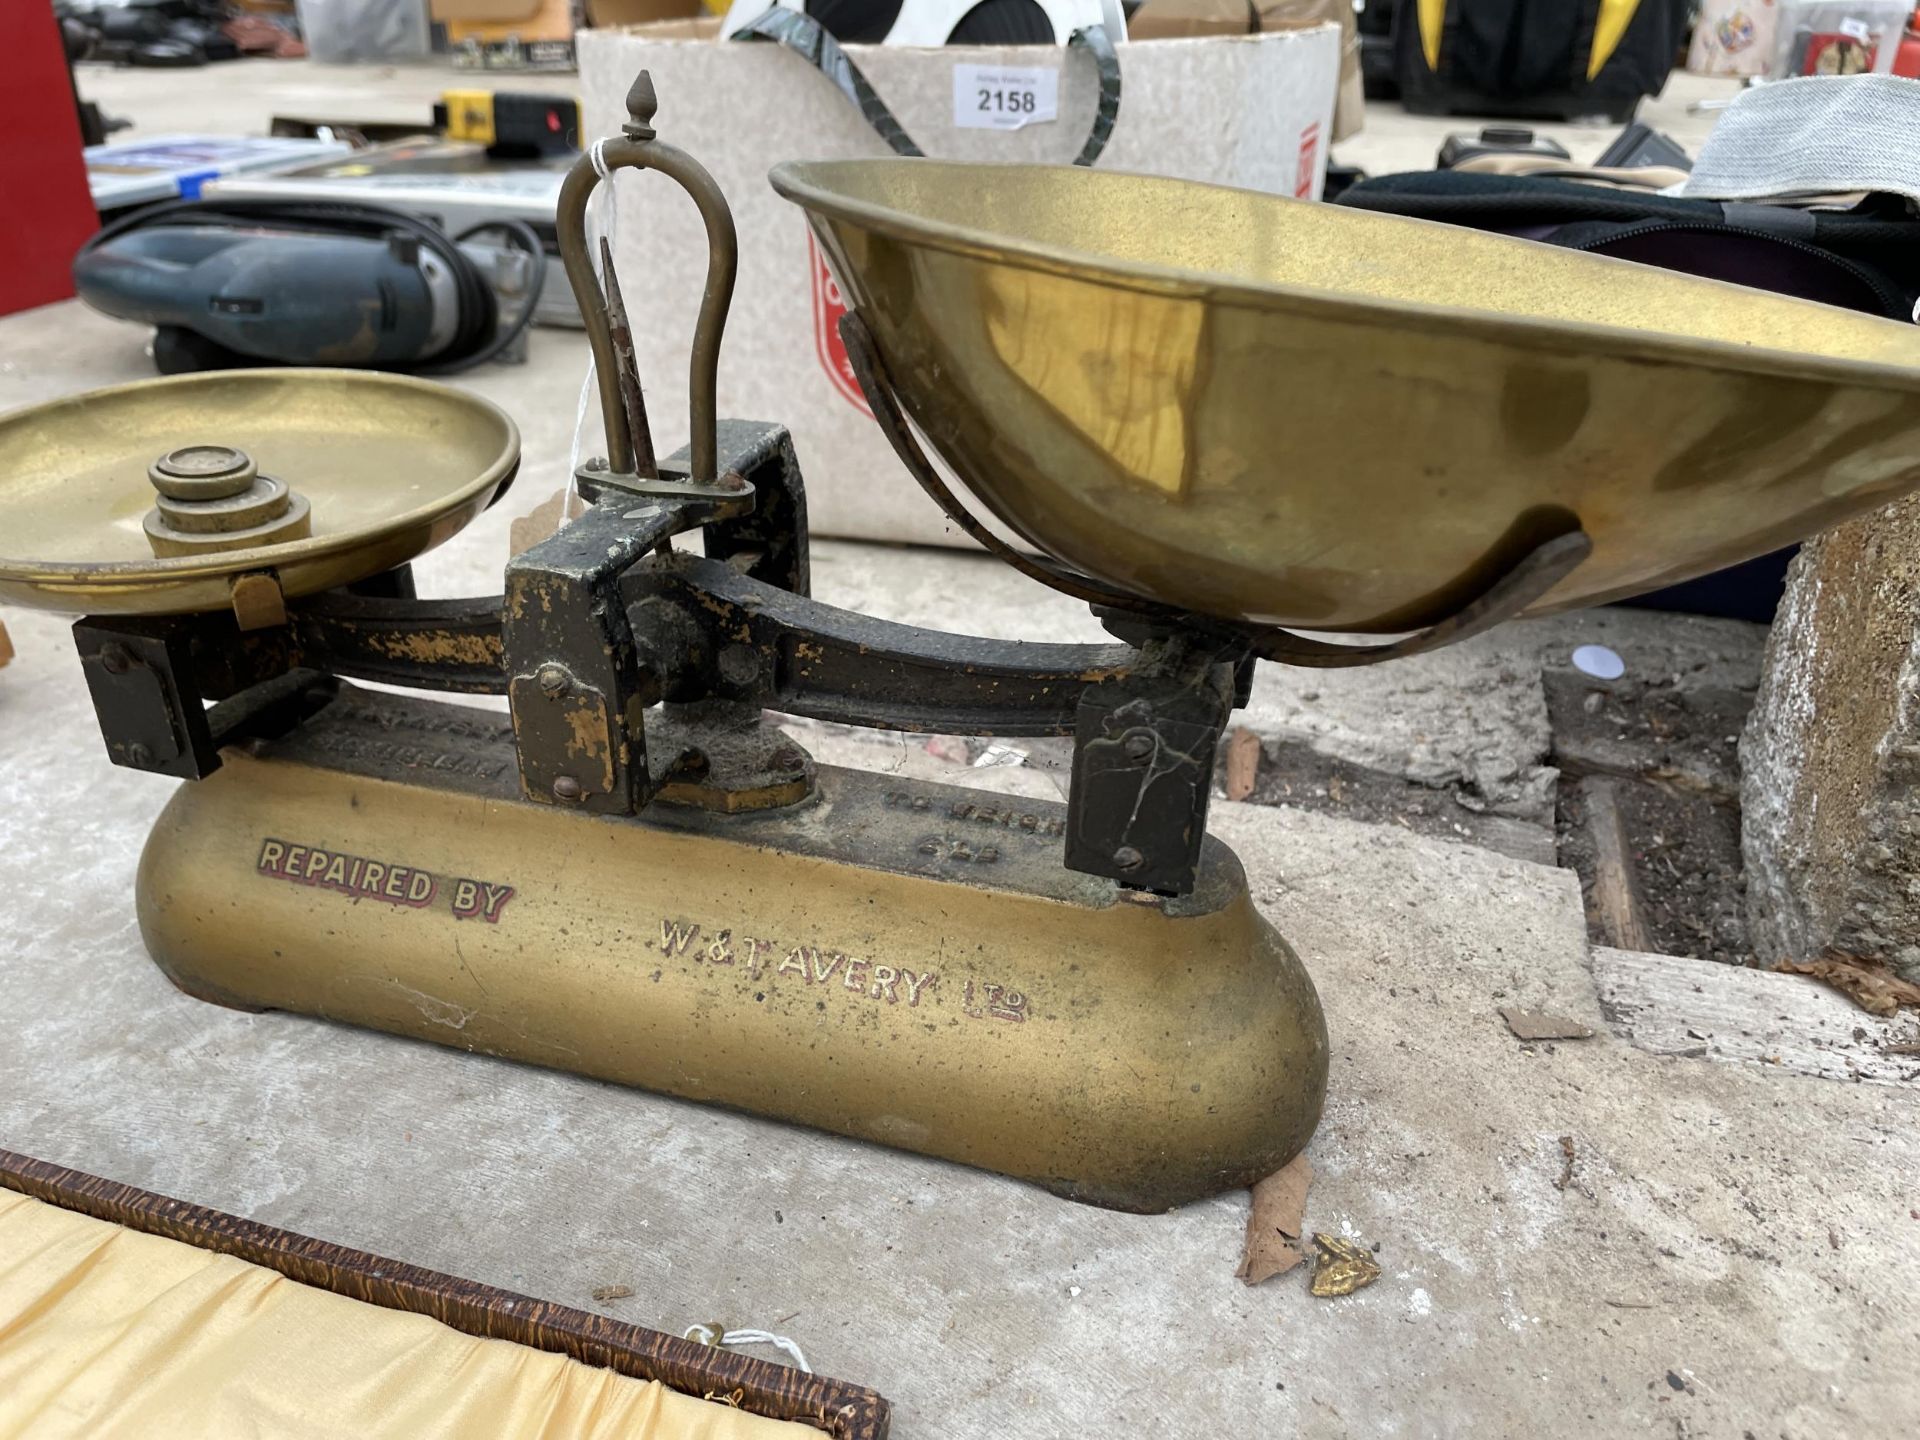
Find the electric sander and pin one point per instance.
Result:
(237, 283)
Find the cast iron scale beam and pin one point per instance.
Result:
(604, 620)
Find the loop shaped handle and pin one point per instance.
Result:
(638, 148)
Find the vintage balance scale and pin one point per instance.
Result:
(1215, 414)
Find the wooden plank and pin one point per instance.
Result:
(1615, 896)
(1671, 1005)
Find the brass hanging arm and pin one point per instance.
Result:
(613, 358)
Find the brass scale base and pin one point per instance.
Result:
(898, 961)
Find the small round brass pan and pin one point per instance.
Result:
(1268, 410)
(391, 465)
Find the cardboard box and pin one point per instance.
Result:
(484, 12)
(740, 108)
(541, 39)
(700, 27)
(611, 14)
(1185, 19)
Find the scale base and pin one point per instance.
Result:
(891, 960)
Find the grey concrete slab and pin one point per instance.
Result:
(1673, 1006)
(1470, 718)
(1691, 652)
(1692, 1237)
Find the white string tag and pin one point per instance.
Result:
(718, 1335)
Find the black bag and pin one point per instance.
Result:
(1866, 259)
(1542, 59)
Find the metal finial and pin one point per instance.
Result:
(641, 104)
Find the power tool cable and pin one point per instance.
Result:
(479, 334)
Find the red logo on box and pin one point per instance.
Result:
(828, 307)
(1309, 154)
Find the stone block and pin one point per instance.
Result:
(1831, 754)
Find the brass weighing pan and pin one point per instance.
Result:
(357, 472)
(1266, 410)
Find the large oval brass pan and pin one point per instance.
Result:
(1265, 409)
(391, 465)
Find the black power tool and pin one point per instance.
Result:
(251, 282)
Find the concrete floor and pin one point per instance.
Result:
(1734, 1250)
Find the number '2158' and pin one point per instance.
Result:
(1009, 102)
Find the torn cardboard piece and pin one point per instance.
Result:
(1867, 981)
(1275, 1223)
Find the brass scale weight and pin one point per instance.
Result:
(640, 878)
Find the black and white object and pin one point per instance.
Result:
(933, 22)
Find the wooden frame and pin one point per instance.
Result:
(847, 1412)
